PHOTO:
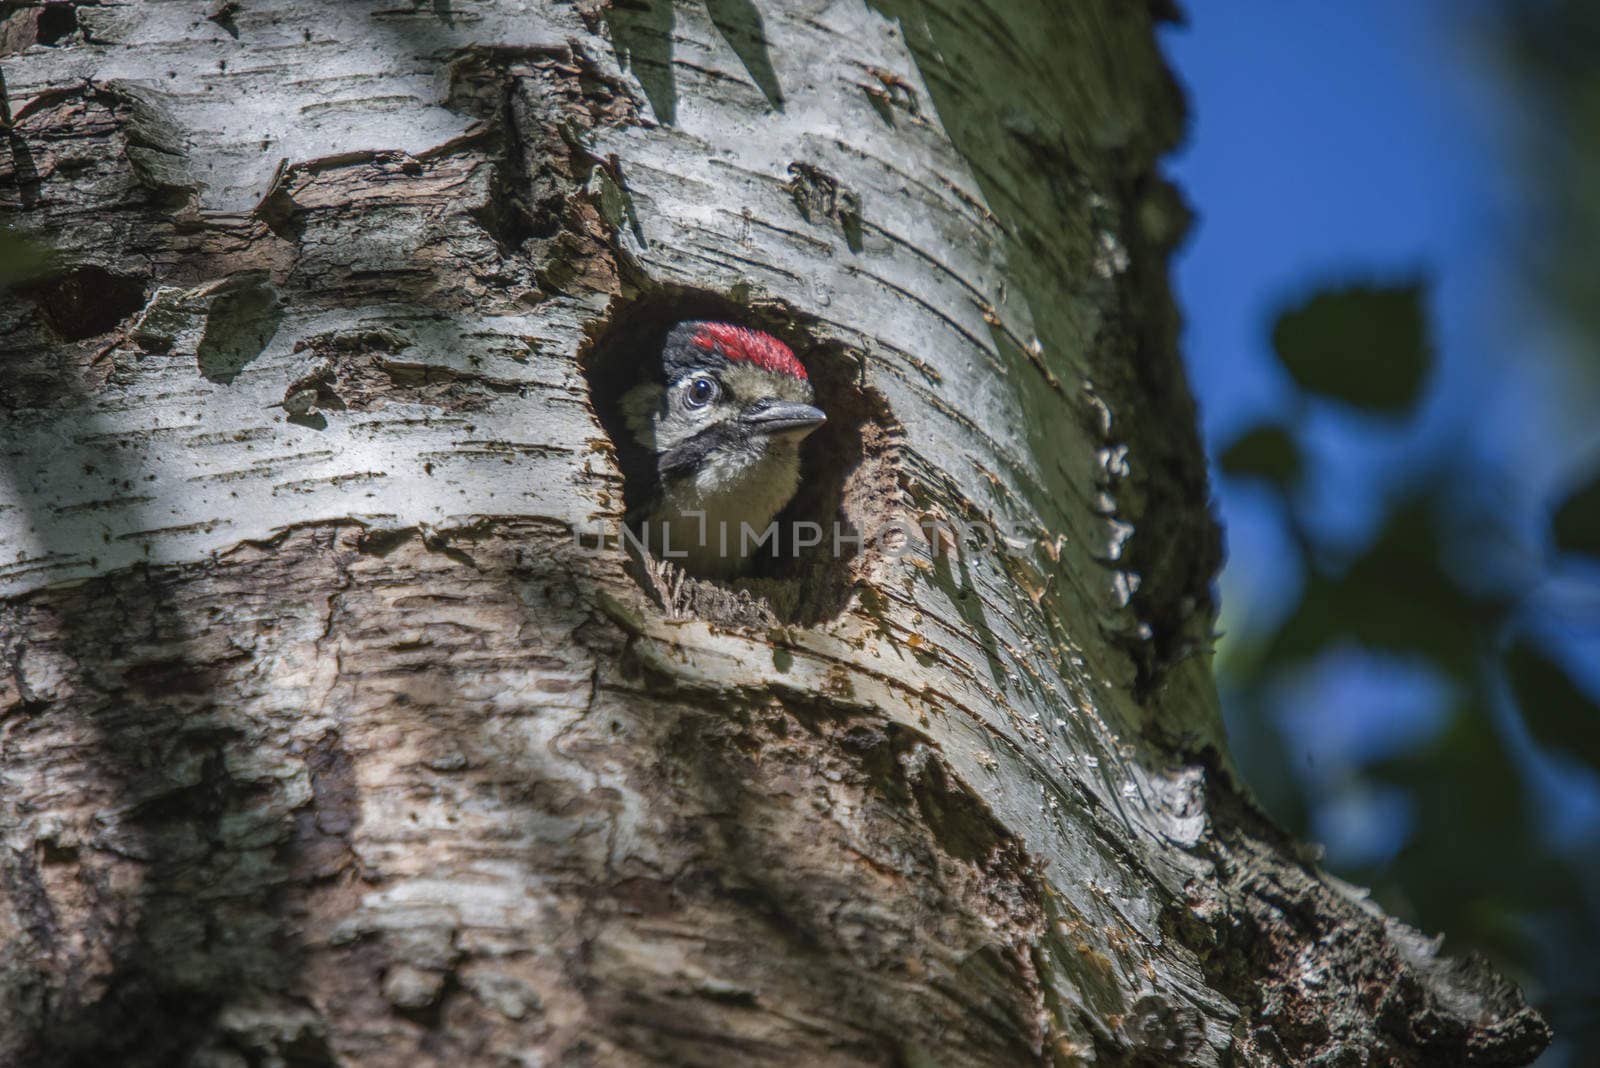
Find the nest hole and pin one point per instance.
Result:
(848, 479)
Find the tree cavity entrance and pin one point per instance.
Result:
(825, 536)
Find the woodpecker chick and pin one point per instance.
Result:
(722, 416)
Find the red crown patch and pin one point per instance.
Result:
(751, 346)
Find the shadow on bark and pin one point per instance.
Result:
(138, 916)
(641, 38)
(1033, 165)
(740, 24)
(115, 689)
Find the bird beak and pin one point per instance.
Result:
(784, 417)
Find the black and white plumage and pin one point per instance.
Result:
(722, 422)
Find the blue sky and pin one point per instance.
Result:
(1336, 141)
(1364, 139)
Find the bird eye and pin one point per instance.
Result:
(701, 392)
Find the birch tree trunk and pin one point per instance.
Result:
(329, 734)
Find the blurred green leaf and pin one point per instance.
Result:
(20, 258)
(1560, 715)
(1364, 345)
(1396, 596)
(1266, 452)
(1577, 520)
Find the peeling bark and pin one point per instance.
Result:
(327, 737)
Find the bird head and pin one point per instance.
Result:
(723, 413)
